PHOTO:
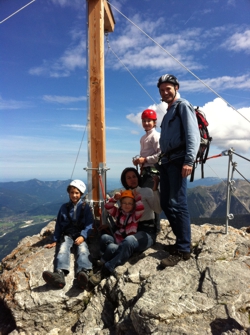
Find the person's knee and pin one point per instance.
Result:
(83, 248)
(107, 239)
(129, 243)
(130, 239)
(144, 241)
(104, 237)
(111, 247)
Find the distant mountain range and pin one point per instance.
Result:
(36, 197)
(22, 201)
(32, 197)
(206, 197)
(209, 181)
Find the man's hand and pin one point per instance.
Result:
(186, 171)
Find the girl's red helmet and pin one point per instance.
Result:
(149, 114)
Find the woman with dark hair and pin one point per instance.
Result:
(146, 232)
(131, 179)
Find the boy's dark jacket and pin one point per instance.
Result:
(83, 227)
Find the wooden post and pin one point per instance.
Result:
(100, 20)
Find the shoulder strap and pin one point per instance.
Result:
(177, 113)
(194, 164)
(124, 234)
(118, 217)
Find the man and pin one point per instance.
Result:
(179, 143)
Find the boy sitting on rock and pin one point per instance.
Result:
(73, 225)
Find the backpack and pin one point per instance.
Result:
(205, 140)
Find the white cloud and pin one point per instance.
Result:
(227, 127)
(134, 132)
(47, 157)
(73, 58)
(238, 42)
(219, 83)
(77, 127)
(27, 147)
(13, 104)
(137, 51)
(160, 111)
(69, 3)
(71, 109)
(113, 128)
(62, 99)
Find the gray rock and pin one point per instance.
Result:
(208, 294)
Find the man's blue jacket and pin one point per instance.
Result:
(180, 130)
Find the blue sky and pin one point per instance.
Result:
(43, 87)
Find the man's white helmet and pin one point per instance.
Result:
(78, 184)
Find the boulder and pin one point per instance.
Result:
(208, 294)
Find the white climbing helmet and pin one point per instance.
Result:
(78, 184)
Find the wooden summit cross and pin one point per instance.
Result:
(100, 21)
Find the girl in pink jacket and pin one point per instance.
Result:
(127, 215)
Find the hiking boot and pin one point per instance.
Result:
(83, 278)
(55, 279)
(100, 263)
(175, 258)
(99, 275)
(172, 249)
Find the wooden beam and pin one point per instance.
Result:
(97, 136)
(109, 21)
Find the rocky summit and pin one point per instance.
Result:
(208, 294)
